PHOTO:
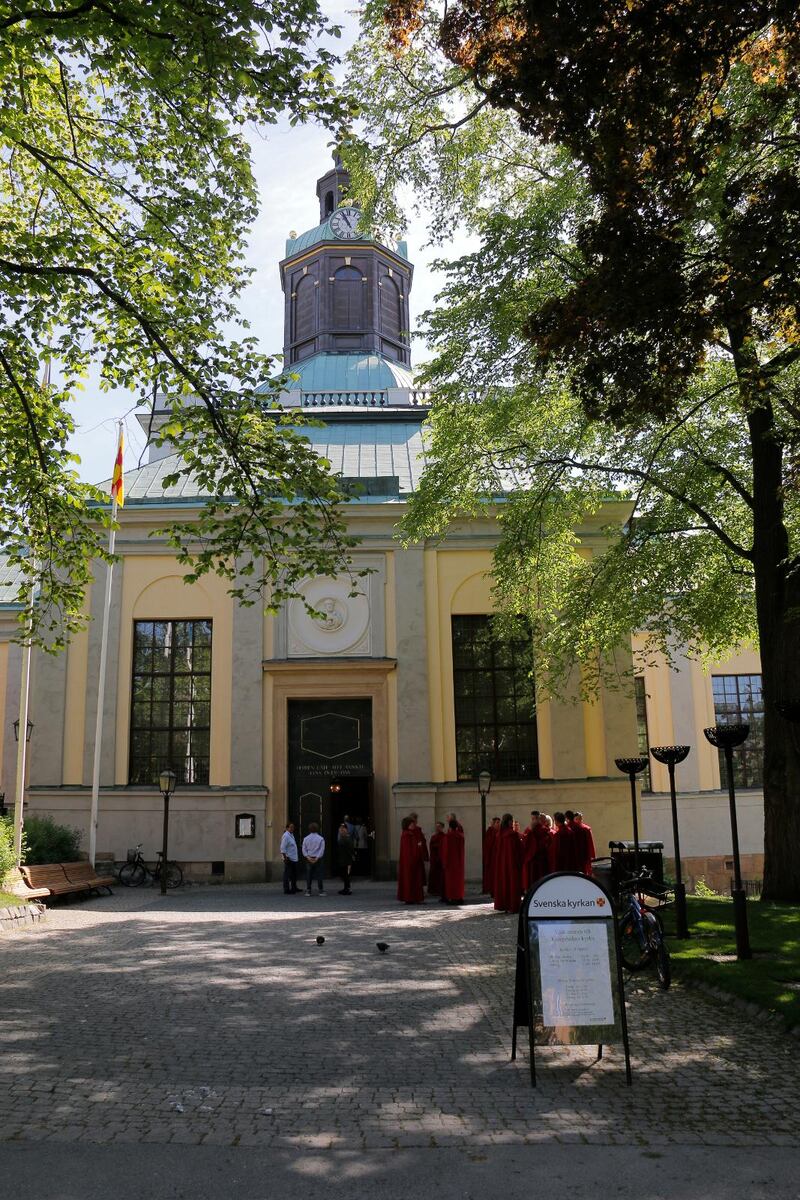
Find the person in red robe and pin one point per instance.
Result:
(423, 844)
(436, 869)
(410, 867)
(563, 847)
(584, 844)
(508, 868)
(542, 858)
(489, 851)
(453, 861)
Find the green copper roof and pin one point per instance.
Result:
(356, 372)
(324, 233)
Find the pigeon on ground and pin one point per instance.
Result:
(320, 939)
(382, 946)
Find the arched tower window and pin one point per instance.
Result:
(391, 309)
(349, 295)
(328, 203)
(304, 323)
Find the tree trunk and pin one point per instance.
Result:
(778, 613)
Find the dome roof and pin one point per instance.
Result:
(358, 372)
(324, 233)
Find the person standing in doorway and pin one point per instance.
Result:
(345, 857)
(314, 853)
(290, 856)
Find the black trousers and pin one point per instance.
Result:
(289, 876)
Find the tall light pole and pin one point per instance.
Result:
(631, 767)
(166, 781)
(669, 756)
(484, 787)
(725, 737)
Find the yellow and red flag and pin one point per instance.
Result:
(118, 478)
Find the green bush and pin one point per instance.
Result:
(47, 842)
(6, 847)
(702, 889)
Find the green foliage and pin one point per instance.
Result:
(48, 842)
(703, 891)
(7, 860)
(627, 325)
(127, 195)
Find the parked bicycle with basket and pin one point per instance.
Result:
(634, 876)
(135, 872)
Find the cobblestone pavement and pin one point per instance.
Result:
(212, 1017)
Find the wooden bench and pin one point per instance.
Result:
(85, 873)
(55, 879)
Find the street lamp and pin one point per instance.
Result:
(484, 787)
(166, 782)
(28, 730)
(725, 737)
(631, 767)
(669, 756)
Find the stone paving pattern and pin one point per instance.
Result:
(212, 1016)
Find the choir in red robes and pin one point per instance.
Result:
(436, 869)
(508, 868)
(453, 861)
(584, 845)
(489, 853)
(410, 866)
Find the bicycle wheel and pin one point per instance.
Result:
(659, 954)
(132, 874)
(174, 875)
(634, 956)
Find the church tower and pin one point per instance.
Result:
(346, 315)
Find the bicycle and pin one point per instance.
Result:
(641, 933)
(135, 871)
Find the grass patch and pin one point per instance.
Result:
(770, 979)
(9, 900)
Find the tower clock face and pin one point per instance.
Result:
(344, 223)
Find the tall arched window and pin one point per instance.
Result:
(304, 324)
(349, 295)
(328, 203)
(391, 309)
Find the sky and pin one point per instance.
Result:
(287, 163)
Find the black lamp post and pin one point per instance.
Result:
(484, 787)
(631, 767)
(166, 782)
(725, 737)
(28, 730)
(669, 756)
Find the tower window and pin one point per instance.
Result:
(304, 305)
(349, 296)
(391, 309)
(328, 203)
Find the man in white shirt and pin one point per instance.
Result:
(290, 857)
(314, 853)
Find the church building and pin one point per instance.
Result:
(381, 704)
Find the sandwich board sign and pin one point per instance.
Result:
(568, 988)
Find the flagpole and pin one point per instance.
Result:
(101, 682)
(22, 744)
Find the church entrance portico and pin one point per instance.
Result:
(329, 753)
(329, 767)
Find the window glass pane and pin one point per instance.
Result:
(738, 700)
(498, 731)
(170, 701)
